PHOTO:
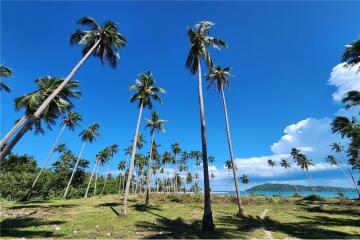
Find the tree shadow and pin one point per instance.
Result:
(25, 206)
(352, 212)
(111, 204)
(146, 208)
(308, 229)
(14, 228)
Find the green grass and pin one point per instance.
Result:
(179, 217)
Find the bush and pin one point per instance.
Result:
(313, 198)
(296, 195)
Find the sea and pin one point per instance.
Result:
(350, 195)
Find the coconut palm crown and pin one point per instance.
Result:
(4, 72)
(110, 39)
(90, 134)
(351, 54)
(219, 77)
(155, 124)
(200, 41)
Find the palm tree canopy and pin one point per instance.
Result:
(103, 156)
(146, 90)
(140, 140)
(90, 134)
(200, 41)
(271, 163)
(122, 165)
(175, 148)
(285, 163)
(60, 148)
(337, 147)
(4, 72)
(166, 158)
(59, 105)
(343, 125)
(211, 159)
(184, 157)
(332, 160)
(219, 77)
(110, 40)
(155, 124)
(128, 150)
(72, 120)
(351, 54)
(351, 99)
(229, 165)
(114, 148)
(244, 179)
(189, 178)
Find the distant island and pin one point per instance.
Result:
(291, 188)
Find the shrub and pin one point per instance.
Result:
(313, 198)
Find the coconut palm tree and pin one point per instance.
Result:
(103, 42)
(285, 164)
(114, 148)
(102, 155)
(122, 167)
(140, 161)
(184, 158)
(200, 41)
(244, 179)
(351, 54)
(4, 72)
(175, 148)
(272, 164)
(196, 155)
(166, 158)
(351, 99)
(31, 101)
(156, 125)
(87, 136)
(219, 78)
(189, 178)
(304, 163)
(344, 126)
(70, 121)
(338, 148)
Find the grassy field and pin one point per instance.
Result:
(180, 217)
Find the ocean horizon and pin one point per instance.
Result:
(351, 195)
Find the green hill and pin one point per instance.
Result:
(291, 188)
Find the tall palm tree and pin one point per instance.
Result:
(219, 77)
(87, 136)
(351, 54)
(102, 155)
(31, 101)
(230, 165)
(166, 158)
(338, 148)
(70, 121)
(272, 164)
(189, 178)
(200, 41)
(146, 91)
(285, 164)
(175, 148)
(196, 155)
(114, 148)
(156, 125)
(103, 42)
(184, 157)
(304, 163)
(122, 167)
(4, 72)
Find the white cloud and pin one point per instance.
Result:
(344, 79)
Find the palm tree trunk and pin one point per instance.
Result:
(131, 167)
(207, 221)
(45, 165)
(175, 175)
(241, 208)
(310, 184)
(89, 184)
(157, 181)
(120, 181)
(43, 106)
(73, 172)
(313, 184)
(13, 130)
(17, 138)
(353, 180)
(148, 178)
(103, 188)
(96, 177)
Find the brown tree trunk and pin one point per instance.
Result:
(148, 178)
(131, 167)
(207, 221)
(238, 197)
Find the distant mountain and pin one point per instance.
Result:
(291, 188)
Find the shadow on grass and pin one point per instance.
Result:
(14, 228)
(146, 208)
(310, 228)
(352, 212)
(27, 205)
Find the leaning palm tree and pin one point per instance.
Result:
(272, 164)
(200, 41)
(230, 165)
(87, 136)
(175, 148)
(146, 90)
(285, 164)
(156, 125)
(219, 77)
(338, 148)
(4, 72)
(351, 54)
(102, 155)
(70, 121)
(31, 101)
(103, 42)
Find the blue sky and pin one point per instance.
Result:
(281, 52)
